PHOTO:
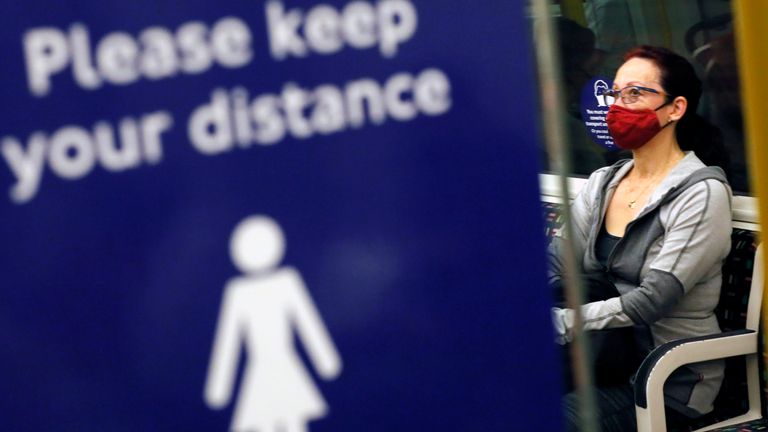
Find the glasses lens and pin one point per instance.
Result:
(630, 94)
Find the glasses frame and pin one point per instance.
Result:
(632, 99)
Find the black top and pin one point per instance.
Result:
(604, 245)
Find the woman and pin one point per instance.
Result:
(658, 227)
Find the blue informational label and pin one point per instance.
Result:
(271, 215)
(594, 108)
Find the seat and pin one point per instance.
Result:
(665, 359)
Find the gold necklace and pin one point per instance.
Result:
(632, 204)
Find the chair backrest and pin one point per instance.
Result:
(737, 279)
(733, 313)
(553, 219)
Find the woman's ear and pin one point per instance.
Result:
(679, 106)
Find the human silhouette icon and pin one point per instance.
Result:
(602, 100)
(260, 311)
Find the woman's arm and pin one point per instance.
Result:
(582, 212)
(697, 239)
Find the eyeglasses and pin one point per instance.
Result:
(629, 94)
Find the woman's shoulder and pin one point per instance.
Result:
(708, 180)
(709, 194)
(609, 170)
(693, 178)
(601, 177)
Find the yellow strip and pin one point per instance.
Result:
(664, 18)
(574, 9)
(750, 18)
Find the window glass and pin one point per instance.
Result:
(593, 36)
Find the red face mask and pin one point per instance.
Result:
(631, 129)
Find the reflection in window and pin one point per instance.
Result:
(594, 34)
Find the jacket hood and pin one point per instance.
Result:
(689, 171)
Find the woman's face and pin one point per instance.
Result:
(643, 73)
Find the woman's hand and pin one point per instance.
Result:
(562, 320)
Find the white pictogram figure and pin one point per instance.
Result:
(603, 100)
(260, 311)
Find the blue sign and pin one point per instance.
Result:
(276, 215)
(594, 108)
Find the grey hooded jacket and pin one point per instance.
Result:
(667, 267)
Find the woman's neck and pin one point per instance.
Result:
(657, 156)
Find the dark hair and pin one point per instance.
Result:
(678, 78)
